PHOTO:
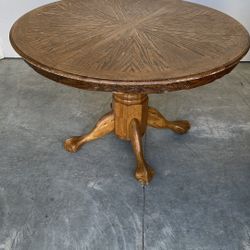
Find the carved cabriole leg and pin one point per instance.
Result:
(104, 126)
(157, 120)
(143, 172)
(129, 119)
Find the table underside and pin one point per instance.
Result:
(128, 119)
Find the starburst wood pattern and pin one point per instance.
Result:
(130, 45)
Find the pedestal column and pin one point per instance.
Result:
(127, 107)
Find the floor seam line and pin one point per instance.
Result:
(144, 199)
(143, 218)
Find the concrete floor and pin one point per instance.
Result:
(54, 200)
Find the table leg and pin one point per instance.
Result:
(129, 119)
(157, 120)
(104, 126)
(143, 173)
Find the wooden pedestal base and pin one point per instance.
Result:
(129, 119)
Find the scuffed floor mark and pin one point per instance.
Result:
(208, 127)
(166, 239)
(17, 237)
(20, 236)
(95, 185)
(246, 241)
(168, 232)
(10, 242)
(4, 211)
(2, 207)
(167, 172)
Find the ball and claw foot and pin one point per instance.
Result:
(180, 127)
(143, 173)
(73, 144)
(103, 127)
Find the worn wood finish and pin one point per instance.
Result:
(143, 173)
(126, 108)
(130, 45)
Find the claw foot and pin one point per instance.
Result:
(180, 127)
(72, 144)
(144, 174)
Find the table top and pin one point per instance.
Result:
(130, 45)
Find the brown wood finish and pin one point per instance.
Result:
(128, 119)
(131, 48)
(126, 108)
(157, 120)
(143, 173)
(103, 127)
(130, 45)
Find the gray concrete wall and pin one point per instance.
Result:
(1, 52)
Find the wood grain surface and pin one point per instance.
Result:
(130, 45)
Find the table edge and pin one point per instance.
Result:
(147, 86)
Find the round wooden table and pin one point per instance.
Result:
(131, 48)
